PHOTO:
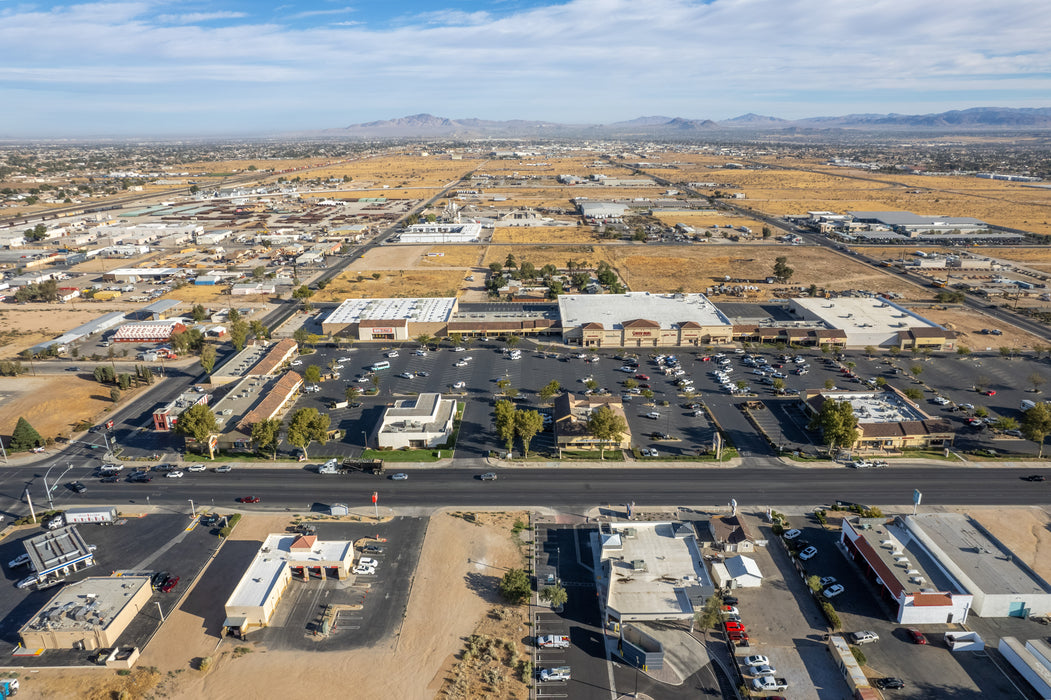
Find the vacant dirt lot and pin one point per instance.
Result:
(707, 219)
(453, 591)
(544, 234)
(541, 255)
(52, 404)
(453, 256)
(392, 283)
(396, 257)
(968, 322)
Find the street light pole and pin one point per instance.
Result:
(364, 440)
(193, 511)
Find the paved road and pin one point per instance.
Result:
(768, 483)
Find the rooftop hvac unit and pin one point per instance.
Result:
(887, 543)
(912, 572)
(918, 579)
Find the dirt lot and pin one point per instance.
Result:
(453, 596)
(968, 322)
(52, 404)
(453, 256)
(706, 219)
(392, 283)
(541, 255)
(544, 234)
(667, 269)
(1026, 531)
(399, 170)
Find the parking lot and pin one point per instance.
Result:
(148, 544)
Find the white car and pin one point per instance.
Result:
(297, 363)
(406, 375)
(20, 560)
(792, 534)
(368, 562)
(459, 348)
(343, 359)
(27, 581)
(808, 553)
(460, 363)
(364, 571)
(762, 670)
(392, 353)
(756, 660)
(827, 581)
(459, 385)
(833, 591)
(174, 475)
(196, 468)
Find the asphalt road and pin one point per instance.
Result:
(568, 489)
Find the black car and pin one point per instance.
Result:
(372, 549)
(1033, 477)
(110, 479)
(140, 478)
(158, 579)
(77, 487)
(209, 519)
(729, 600)
(890, 683)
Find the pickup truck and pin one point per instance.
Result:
(559, 673)
(769, 683)
(553, 641)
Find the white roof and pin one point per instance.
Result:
(263, 573)
(878, 406)
(870, 315)
(612, 310)
(742, 566)
(420, 309)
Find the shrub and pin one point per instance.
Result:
(514, 586)
(859, 655)
(204, 664)
(830, 614)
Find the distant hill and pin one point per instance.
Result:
(430, 126)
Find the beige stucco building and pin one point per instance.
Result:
(89, 614)
(642, 320)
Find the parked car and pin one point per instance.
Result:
(833, 591)
(158, 579)
(170, 584)
(808, 553)
(756, 660)
(20, 560)
(827, 581)
(916, 636)
(889, 683)
(864, 637)
(224, 469)
(792, 534)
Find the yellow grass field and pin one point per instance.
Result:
(201, 294)
(541, 255)
(544, 234)
(400, 170)
(695, 269)
(454, 256)
(967, 323)
(229, 166)
(407, 283)
(52, 404)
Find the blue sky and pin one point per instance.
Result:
(240, 67)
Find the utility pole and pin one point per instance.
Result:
(29, 499)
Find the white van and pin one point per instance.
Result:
(382, 364)
(1027, 404)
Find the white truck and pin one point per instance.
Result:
(553, 641)
(559, 673)
(769, 683)
(104, 515)
(329, 467)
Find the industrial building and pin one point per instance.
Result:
(390, 319)
(1001, 583)
(442, 233)
(251, 400)
(873, 321)
(887, 419)
(600, 211)
(909, 224)
(651, 571)
(911, 582)
(424, 421)
(570, 420)
(282, 558)
(259, 359)
(99, 325)
(737, 572)
(89, 614)
(642, 319)
(148, 332)
(1032, 660)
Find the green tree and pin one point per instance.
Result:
(352, 392)
(266, 434)
(302, 292)
(870, 350)
(779, 386)
(630, 383)
(259, 330)
(114, 394)
(198, 313)
(607, 427)
(555, 595)
(837, 423)
(208, 358)
(881, 382)
(198, 422)
(510, 261)
(25, 436)
(514, 586)
(1006, 423)
(916, 370)
(505, 422)
(456, 339)
(307, 425)
(238, 332)
(981, 411)
(550, 390)
(914, 393)
(258, 272)
(963, 351)
(1036, 380)
(527, 271)
(312, 374)
(513, 341)
(1036, 425)
(527, 425)
(424, 339)
(709, 617)
(781, 269)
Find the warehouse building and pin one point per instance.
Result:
(442, 233)
(909, 224)
(1032, 660)
(390, 319)
(99, 325)
(873, 321)
(1001, 583)
(642, 319)
(282, 558)
(887, 419)
(911, 582)
(600, 211)
(88, 614)
(424, 421)
(253, 399)
(651, 571)
(148, 332)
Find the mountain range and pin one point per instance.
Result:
(430, 126)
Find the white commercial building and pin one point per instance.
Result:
(1032, 660)
(737, 572)
(651, 571)
(873, 321)
(442, 233)
(642, 319)
(424, 421)
(1002, 585)
(390, 319)
(282, 558)
(601, 210)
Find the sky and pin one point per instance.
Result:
(250, 67)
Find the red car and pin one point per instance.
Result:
(734, 626)
(917, 636)
(248, 499)
(739, 638)
(990, 392)
(169, 584)
(643, 377)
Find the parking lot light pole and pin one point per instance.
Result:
(193, 511)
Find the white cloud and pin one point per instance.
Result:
(681, 57)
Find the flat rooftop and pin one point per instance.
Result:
(670, 565)
(907, 218)
(275, 554)
(88, 604)
(987, 562)
(420, 310)
(864, 314)
(242, 398)
(907, 559)
(57, 549)
(878, 406)
(612, 310)
(240, 364)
